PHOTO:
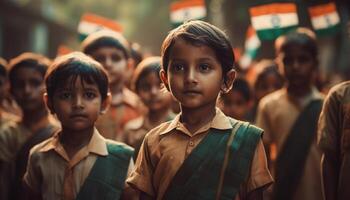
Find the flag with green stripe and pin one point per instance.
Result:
(274, 19)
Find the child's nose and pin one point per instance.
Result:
(191, 75)
(78, 102)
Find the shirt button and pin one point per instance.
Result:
(191, 143)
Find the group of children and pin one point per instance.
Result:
(93, 127)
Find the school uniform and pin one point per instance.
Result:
(334, 134)
(166, 148)
(14, 138)
(278, 114)
(52, 174)
(111, 124)
(136, 129)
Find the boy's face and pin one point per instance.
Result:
(77, 107)
(268, 84)
(149, 90)
(235, 105)
(194, 75)
(297, 65)
(28, 89)
(114, 61)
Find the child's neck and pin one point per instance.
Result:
(32, 119)
(116, 88)
(72, 141)
(194, 119)
(299, 92)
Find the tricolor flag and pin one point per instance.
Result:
(251, 47)
(185, 10)
(273, 20)
(325, 18)
(90, 23)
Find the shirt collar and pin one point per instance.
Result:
(96, 145)
(220, 121)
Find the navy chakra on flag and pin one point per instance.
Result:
(275, 21)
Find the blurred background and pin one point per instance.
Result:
(43, 25)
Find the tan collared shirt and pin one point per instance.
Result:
(111, 124)
(277, 112)
(49, 164)
(166, 147)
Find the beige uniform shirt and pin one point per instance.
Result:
(166, 147)
(49, 164)
(276, 114)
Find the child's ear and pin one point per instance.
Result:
(228, 81)
(106, 103)
(48, 103)
(130, 64)
(164, 78)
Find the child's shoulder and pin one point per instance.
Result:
(134, 124)
(42, 147)
(116, 147)
(273, 97)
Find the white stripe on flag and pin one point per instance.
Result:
(87, 27)
(325, 21)
(252, 43)
(274, 21)
(185, 14)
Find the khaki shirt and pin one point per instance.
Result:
(136, 129)
(277, 112)
(111, 124)
(165, 148)
(49, 162)
(334, 133)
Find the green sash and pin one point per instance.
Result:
(107, 177)
(290, 162)
(199, 175)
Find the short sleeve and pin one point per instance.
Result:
(259, 173)
(328, 124)
(142, 175)
(32, 175)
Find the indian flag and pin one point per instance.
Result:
(251, 47)
(90, 23)
(325, 19)
(185, 10)
(273, 20)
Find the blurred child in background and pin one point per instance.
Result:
(289, 118)
(113, 51)
(147, 84)
(268, 79)
(26, 75)
(237, 102)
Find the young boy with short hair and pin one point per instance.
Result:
(26, 75)
(113, 52)
(201, 153)
(289, 117)
(147, 84)
(77, 162)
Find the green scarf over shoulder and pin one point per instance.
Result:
(199, 175)
(107, 177)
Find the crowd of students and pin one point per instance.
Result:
(104, 124)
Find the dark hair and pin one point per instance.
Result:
(147, 66)
(264, 68)
(301, 36)
(242, 86)
(136, 53)
(3, 69)
(105, 38)
(72, 66)
(29, 60)
(201, 33)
